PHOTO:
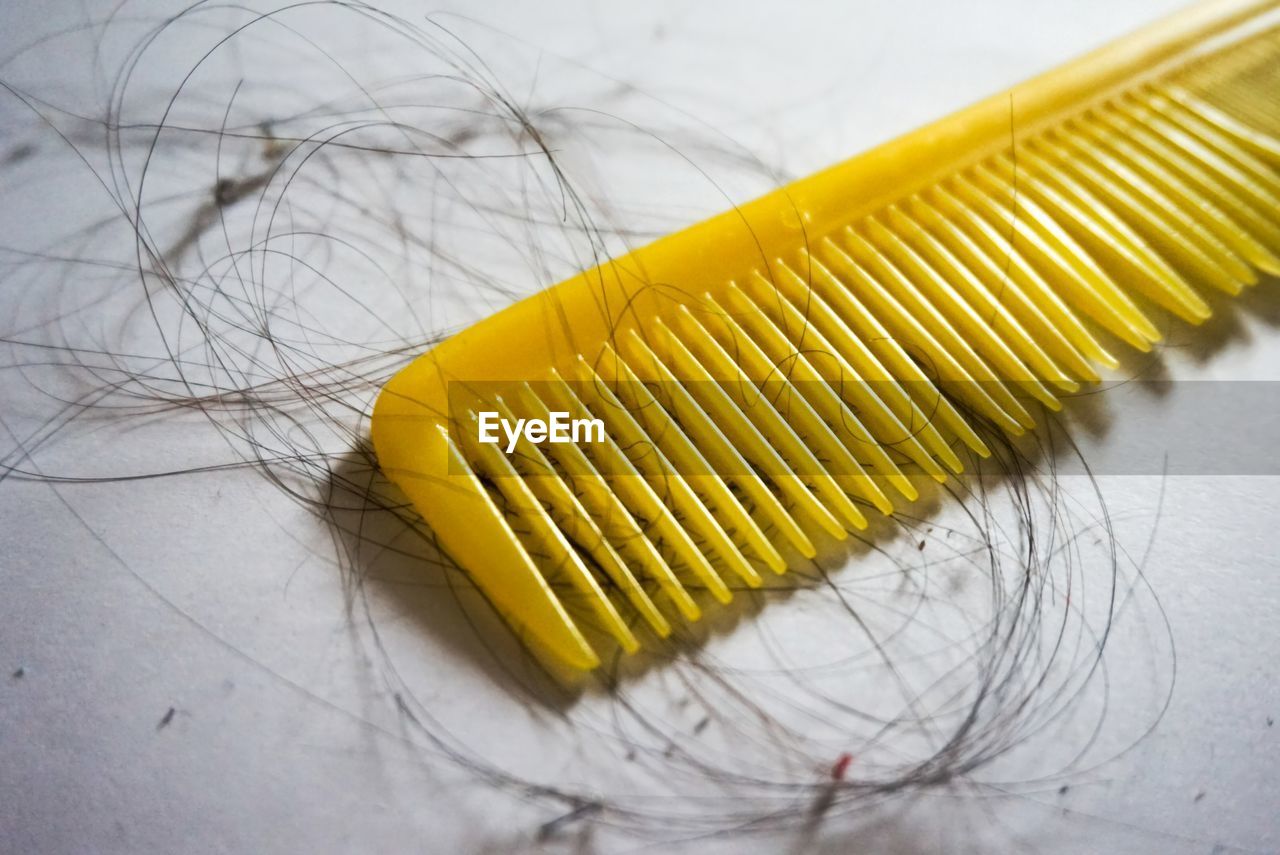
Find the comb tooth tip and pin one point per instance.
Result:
(1140, 327)
(689, 609)
(1106, 360)
(1066, 384)
(852, 517)
(1269, 264)
(587, 660)
(776, 563)
(950, 459)
(1021, 418)
(932, 468)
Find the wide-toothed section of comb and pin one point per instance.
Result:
(766, 413)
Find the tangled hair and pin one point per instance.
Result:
(269, 210)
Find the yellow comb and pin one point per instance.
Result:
(766, 377)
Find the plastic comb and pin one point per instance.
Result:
(772, 376)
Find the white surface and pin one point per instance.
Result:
(121, 600)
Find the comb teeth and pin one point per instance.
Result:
(794, 401)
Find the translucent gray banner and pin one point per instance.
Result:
(809, 428)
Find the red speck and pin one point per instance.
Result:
(841, 766)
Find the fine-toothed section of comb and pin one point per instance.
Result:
(889, 361)
(543, 540)
(719, 407)
(664, 479)
(933, 332)
(1060, 232)
(1003, 229)
(1162, 229)
(985, 394)
(1249, 179)
(578, 525)
(827, 397)
(770, 444)
(615, 518)
(1063, 264)
(1102, 233)
(833, 387)
(955, 316)
(1244, 171)
(1219, 265)
(1017, 270)
(1257, 143)
(669, 438)
(929, 258)
(1056, 327)
(1243, 205)
(1242, 81)
(639, 497)
(691, 420)
(796, 409)
(522, 594)
(796, 325)
(1218, 211)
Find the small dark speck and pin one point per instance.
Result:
(921, 546)
(168, 717)
(1062, 791)
(631, 755)
(19, 153)
(224, 192)
(1270, 721)
(21, 671)
(701, 726)
(1199, 796)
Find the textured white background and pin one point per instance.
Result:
(267, 753)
